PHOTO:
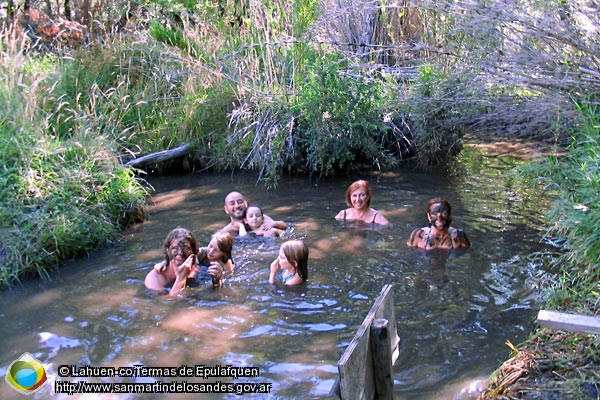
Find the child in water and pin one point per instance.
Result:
(254, 222)
(293, 262)
(184, 261)
(216, 254)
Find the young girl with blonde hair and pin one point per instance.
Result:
(293, 263)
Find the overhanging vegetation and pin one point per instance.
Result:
(286, 87)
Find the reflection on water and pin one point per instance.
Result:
(454, 311)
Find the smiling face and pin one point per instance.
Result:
(213, 252)
(179, 244)
(254, 217)
(439, 216)
(358, 191)
(235, 205)
(180, 250)
(359, 198)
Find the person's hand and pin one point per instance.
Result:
(273, 271)
(160, 267)
(216, 270)
(274, 267)
(187, 269)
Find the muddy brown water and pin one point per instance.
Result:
(454, 311)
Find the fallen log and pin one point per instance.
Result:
(161, 156)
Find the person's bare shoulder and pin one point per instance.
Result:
(341, 215)
(416, 236)
(380, 218)
(267, 218)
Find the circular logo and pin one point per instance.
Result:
(26, 374)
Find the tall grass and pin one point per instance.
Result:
(302, 107)
(62, 193)
(574, 180)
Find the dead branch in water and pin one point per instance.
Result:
(158, 157)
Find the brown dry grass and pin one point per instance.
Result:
(512, 68)
(550, 365)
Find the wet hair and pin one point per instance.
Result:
(297, 252)
(355, 186)
(179, 234)
(225, 243)
(445, 203)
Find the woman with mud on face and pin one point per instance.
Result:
(439, 234)
(184, 260)
(170, 275)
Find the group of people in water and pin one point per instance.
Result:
(186, 264)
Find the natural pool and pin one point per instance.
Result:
(454, 314)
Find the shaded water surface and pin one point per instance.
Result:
(454, 314)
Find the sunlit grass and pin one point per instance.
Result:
(574, 180)
(62, 195)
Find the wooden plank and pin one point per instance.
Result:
(569, 322)
(382, 354)
(356, 364)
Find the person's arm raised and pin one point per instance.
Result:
(183, 273)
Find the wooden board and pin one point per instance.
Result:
(356, 364)
(569, 322)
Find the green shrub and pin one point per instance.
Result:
(63, 193)
(432, 107)
(339, 120)
(574, 179)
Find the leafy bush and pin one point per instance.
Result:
(574, 179)
(432, 107)
(339, 120)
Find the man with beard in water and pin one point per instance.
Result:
(439, 234)
(235, 207)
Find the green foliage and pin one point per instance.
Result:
(339, 120)
(173, 37)
(174, 5)
(121, 91)
(206, 112)
(432, 107)
(574, 216)
(333, 123)
(63, 194)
